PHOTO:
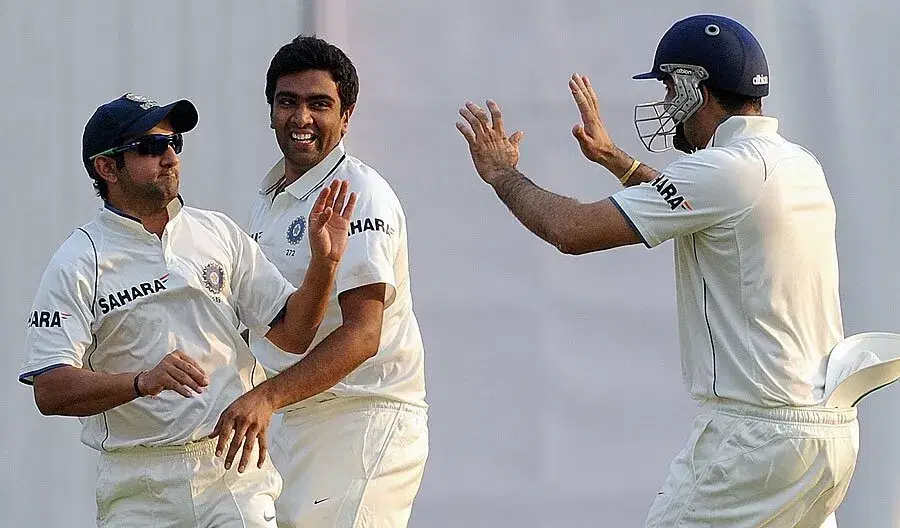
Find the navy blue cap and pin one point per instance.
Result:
(728, 52)
(127, 117)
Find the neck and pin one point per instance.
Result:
(153, 218)
(708, 128)
(156, 223)
(293, 172)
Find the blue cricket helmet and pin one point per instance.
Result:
(727, 50)
(709, 49)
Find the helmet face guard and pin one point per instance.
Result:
(656, 122)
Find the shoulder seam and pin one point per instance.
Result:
(96, 269)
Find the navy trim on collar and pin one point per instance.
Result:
(314, 187)
(323, 180)
(121, 213)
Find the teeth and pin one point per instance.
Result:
(306, 136)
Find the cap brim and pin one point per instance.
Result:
(648, 75)
(182, 116)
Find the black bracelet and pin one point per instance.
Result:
(137, 390)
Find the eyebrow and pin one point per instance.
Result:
(315, 96)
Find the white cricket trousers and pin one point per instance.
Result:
(183, 487)
(749, 467)
(350, 462)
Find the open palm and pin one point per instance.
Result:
(329, 221)
(492, 151)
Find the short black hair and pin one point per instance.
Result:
(312, 53)
(735, 103)
(101, 186)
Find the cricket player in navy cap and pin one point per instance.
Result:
(135, 327)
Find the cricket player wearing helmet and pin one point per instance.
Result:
(753, 224)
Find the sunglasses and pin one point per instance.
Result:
(151, 145)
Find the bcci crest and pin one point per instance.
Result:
(296, 231)
(145, 103)
(214, 278)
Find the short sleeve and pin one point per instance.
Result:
(696, 192)
(259, 290)
(375, 233)
(58, 326)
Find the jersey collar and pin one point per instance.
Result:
(309, 182)
(736, 128)
(127, 221)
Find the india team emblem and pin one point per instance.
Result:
(145, 103)
(296, 231)
(214, 278)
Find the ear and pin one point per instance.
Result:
(272, 117)
(107, 169)
(345, 118)
(704, 93)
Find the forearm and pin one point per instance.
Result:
(306, 307)
(539, 210)
(71, 391)
(572, 227)
(329, 362)
(618, 162)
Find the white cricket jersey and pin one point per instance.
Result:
(376, 253)
(116, 298)
(755, 263)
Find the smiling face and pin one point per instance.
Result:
(308, 119)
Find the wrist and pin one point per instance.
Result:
(611, 157)
(623, 179)
(267, 395)
(495, 177)
(323, 263)
(138, 389)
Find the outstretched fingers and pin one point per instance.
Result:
(323, 199)
(496, 117)
(585, 99)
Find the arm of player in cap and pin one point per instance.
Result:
(569, 225)
(73, 391)
(329, 228)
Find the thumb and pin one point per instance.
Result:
(516, 137)
(578, 132)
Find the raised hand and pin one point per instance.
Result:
(492, 151)
(592, 136)
(329, 221)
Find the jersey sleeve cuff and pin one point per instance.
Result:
(27, 377)
(365, 280)
(277, 314)
(631, 222)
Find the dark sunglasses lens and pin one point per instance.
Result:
(157, 145)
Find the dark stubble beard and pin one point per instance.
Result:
(149, 197)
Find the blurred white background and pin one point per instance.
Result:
(554, 381)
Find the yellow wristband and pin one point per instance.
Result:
(634, 167)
